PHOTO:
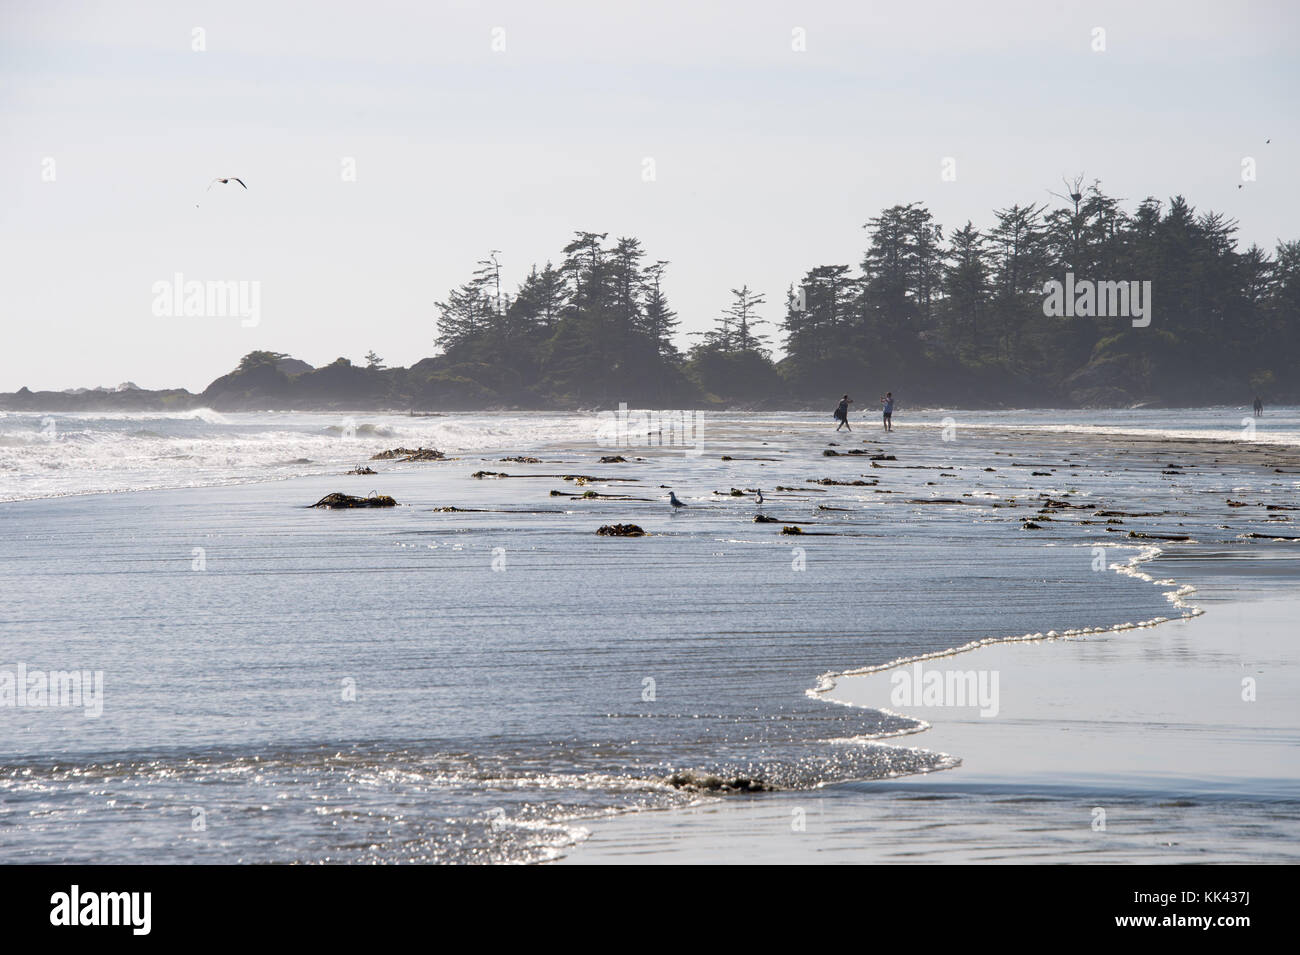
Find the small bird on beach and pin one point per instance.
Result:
(672, 499)
(760, 496)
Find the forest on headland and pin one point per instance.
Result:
(950, 317)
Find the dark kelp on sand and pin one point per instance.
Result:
(337, 500)
(409, 454)
(620, 530)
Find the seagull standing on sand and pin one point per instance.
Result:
(760, 497)
(672, 499)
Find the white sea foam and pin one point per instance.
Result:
(1231, 424)
(56, 454)
(53, 455)
(1259, 436)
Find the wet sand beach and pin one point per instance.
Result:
(1144, 732)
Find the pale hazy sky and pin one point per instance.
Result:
(767, 160)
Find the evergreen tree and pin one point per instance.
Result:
(659, 322)
(967, 289)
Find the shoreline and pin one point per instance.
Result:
(1000, 762)
(827, 682)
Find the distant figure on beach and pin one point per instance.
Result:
(888, 402)
(672, 499)
(842, 413)
(1259, 407)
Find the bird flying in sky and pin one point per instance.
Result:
(224, 182)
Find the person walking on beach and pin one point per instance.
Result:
(842, 413)
(1259, 407)
(888, 402)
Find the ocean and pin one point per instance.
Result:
(476, 676)
(48, 455)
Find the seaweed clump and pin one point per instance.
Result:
(620, 530)
(708, 782)
(351, 500)
(409, 454)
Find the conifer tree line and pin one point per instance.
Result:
(943, 315)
